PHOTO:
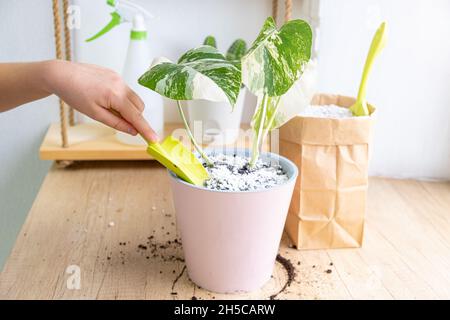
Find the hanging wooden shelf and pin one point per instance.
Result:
(95, 141)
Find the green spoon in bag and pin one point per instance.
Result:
(378, 43)
(173, 155)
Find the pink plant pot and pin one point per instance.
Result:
(231, 239)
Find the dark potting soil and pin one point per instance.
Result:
(290, 270)
(178, 277)
(233, 173)
(167, 252)
(170, 251)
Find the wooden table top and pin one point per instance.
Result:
(99, 216)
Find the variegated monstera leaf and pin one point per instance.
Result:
(275, 60)
(294, 101)
(201, 73)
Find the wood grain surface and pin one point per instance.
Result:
(99, 216)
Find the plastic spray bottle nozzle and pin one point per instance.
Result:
(115, 21)
(125, 11)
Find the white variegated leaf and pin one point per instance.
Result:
(274, 61)
(298, 97)
(294, 101)
(201, 73)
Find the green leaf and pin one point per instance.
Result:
(210, 41)
(237, 50)
(275, 60)
(201, 73)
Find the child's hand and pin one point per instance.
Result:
(100, 94)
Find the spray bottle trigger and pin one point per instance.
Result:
(115, 21)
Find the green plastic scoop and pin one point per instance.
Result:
(378, 43)
(173, 155)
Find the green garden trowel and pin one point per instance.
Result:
(378, 43)
(173, 155)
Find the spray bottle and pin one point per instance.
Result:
(136, 63)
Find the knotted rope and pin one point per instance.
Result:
(68, 49)
(57, 29)
(275, 10)
(287, 10)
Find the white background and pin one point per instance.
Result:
(410, 83)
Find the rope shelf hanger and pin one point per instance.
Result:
(68, 49)
(57, 20)
(287, 10)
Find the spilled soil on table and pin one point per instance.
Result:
(291, 274)
(171, 251)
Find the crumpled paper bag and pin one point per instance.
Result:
(329, 201)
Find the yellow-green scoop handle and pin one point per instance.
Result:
(378, 43)
(173, 155)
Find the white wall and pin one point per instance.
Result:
(26, 34)
(410, 82)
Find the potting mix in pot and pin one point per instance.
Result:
(231, 206)
(234, 173)
(327, 111)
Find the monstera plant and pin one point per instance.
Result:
(220, 122)
(271, 67)
(210, 41)
(234, 53)
(200, 73)
(206, 217)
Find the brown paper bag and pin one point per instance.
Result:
(329, 201)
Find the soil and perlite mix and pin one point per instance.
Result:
(234, 173)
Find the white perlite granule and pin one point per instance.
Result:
(327, 111)
(233, 173)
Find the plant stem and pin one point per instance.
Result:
(271, 119)
(191, 136)
(257, 138)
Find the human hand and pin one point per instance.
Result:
(101, 94)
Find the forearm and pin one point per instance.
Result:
(23, 82)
